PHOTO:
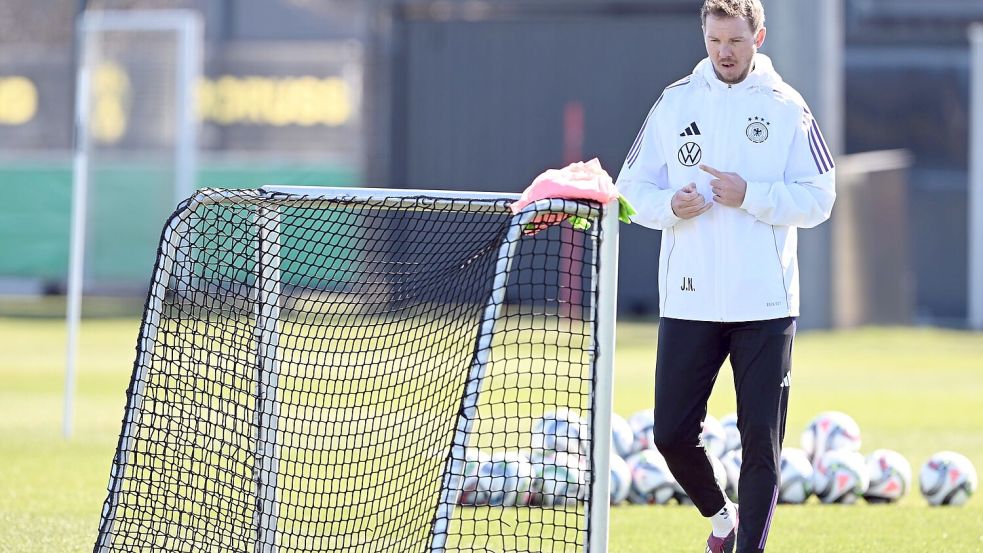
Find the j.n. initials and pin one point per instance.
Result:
(687, 285)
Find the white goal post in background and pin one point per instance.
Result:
(91, 28)
(976, 179)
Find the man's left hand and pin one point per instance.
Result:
(728, 188)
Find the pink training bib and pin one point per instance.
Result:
(577, 181)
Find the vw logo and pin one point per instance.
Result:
(690, 154)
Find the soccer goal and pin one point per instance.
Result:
(370, 370)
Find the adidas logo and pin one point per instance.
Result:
(691, 130)
(787, 381)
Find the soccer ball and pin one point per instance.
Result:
(830, 431)
(796, 476)
(501, 480)
(714, 437)
(890, 476)
(548, 457)
(561, 430)
(467, 484)
(620, 479)
(558, 479)
(732, 465)
(507, 478)
(642, 426)
(729, 422)
(719, 474)
(651, 481)
(841, 476)
(622, 436)
(947, 478)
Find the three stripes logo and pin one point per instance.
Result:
(817, 145)
(690, 153)
(691, 130)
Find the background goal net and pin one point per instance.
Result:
(342, 370)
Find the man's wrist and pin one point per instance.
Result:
(752, 191)
(671, 212)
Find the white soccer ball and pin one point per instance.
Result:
(714, 437)
(947, 478)
(732, 465)
(651, 481)
(642, 426)
(719, 474)
(548, 457)
(890, 476)
(796, 476)
(620, 479)
(622, 436)
(841, 476)
(467, 483)
(830, 431)
(729, 422)
(507, 479)
(562, 430)
(558, 479)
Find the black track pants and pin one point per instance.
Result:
(689, 358)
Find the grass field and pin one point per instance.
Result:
(914, 390)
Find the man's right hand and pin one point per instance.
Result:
(688, 203)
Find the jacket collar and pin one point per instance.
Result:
(763, 74)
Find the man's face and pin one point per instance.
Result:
(731, 46)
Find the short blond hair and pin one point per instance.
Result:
(750, 10)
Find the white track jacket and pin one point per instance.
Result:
(730, 264)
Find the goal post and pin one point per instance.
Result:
(134, 108)
(267, 310)
(367, 369)
(975, 196)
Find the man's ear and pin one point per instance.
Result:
(759, 38)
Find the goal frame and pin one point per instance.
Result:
(267, 330)
(975, 189)
(188, 26)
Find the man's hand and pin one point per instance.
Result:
(688, 203)
(728, 188)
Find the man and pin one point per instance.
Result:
(728, 164)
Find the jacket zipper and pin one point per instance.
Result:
(718, 230)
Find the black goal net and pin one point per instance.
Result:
(361, 373)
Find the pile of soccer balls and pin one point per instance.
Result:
(553, 472)
(643, 476)
(840, 474)
(828, 465)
